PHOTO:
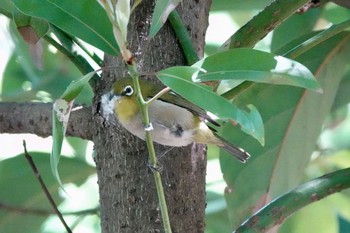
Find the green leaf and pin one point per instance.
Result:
(256, 66)
(293, 119)
(239, 5)
(161, 12)
(344, 224)
(335, 14)
(30, 28)
(317, 39)
(74, 89)
(84, 19)
(6, 7)
(122, 12)
(282, 35)
(179, 80)
(60, 116)
(343, 94)
(20, 188)
(23, 82)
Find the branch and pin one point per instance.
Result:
(263, 23)
(36, 118)
(282, 207)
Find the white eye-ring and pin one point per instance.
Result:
(128, 90)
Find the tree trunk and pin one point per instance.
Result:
(128, 197)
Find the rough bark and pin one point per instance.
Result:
(36, 118)
(128, 197)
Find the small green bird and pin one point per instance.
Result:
(175, 121)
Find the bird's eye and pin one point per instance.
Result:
(128, 91)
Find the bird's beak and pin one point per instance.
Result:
(112, 96)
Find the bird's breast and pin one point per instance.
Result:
(172, 125)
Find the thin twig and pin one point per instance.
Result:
(44, 188)
(158, 95)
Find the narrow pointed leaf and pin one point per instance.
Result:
(179, 80)
(83, 19)
(318, 38)
(161, 12)
(256, 66)
(293, 119)
(74, 89)
(60, 116)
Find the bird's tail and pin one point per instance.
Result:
(238, 152)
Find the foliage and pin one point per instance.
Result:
(293, 117)
(26, 194)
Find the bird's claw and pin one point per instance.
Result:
(154, 167)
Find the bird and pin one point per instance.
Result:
(175, 121)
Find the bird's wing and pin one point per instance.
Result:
(172, 97)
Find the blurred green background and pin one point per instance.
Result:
(21, 79)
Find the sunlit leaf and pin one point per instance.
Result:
(60, 115)
(161, 12)
(257, 66)
(179, 80)
(122, 12)
(84, 19)
(74, 89)
(293, 119)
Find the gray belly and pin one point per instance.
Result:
(172, 125)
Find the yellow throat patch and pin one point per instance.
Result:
(126, 108)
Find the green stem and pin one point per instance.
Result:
(76, 61)
(317, 39)
(151, 151)
(67, 48)
(92, 55)
(183, 37)
(285, 205)
(263, 23)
